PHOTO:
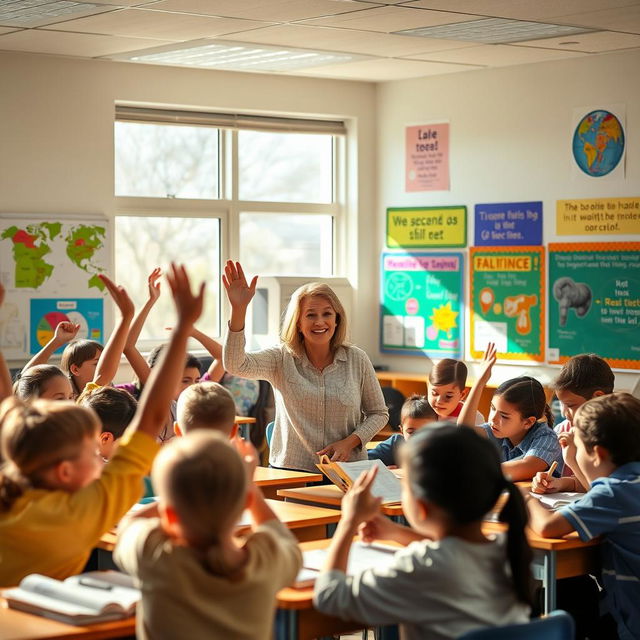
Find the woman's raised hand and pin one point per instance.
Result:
(235, 284)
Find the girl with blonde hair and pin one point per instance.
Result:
(328, 399)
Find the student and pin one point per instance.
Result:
(416, 413)
(607, 437)
(583, 377)
(56, 497)
(116, 409)
(446, 389)
(64, 333)
(44, 381)
(198, 582)
(451, 578)
(520, 423)
(206, 405)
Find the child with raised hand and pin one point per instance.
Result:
(520, 422)
(53, 480)
(451, 578)
(583, 377)
(416, 413)
(607, 438)
(198, 581)
(45, 381)
(64, 333)
(446, 389)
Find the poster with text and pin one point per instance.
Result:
(508, 224)
(427, 157)
(426, 227)
(508, 302)
(594, 302)
(421, 310)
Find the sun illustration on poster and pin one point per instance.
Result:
(443, 319)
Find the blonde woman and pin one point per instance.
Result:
(328, 399)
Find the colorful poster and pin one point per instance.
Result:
(594, 302)
(426, 227)
(48, 313)
(508, 302)
(421, 309)
(508, 224)
(599, 216)
(427, 157)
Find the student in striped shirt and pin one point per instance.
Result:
(607, 438)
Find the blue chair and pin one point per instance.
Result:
(268, 434)
(558, 625)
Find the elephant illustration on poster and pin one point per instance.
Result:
(571, 295)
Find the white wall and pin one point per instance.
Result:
(510, 142)
(56, 134)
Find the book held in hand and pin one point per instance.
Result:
(343, 474)
(97, 596)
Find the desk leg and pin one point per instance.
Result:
(286, 624)
(549, 581)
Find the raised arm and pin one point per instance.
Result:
(467, 416)
(239, 293)
(65, 332)
(164, 378)
(133, 356)
(5, 375)
(110, 357)
(216, 370)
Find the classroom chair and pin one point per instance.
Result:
(268, 433)
(558, 625)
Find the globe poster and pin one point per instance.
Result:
(50, 267)
(598, 142)
(421, 309)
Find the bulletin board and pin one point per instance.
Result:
(507, 302)
(594, 302)
(421, 309)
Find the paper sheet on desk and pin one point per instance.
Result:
(557, 500)
(362, 556)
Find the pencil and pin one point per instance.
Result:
(552, 468)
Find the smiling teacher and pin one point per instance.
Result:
(328, 399)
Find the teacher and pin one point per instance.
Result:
(327, 397)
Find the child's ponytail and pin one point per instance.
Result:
(548, 414)
(514, 513)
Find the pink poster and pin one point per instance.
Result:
(427, 160)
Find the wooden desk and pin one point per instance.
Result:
(243, 423)
(270, 480)
(329, 495)
(17, 625)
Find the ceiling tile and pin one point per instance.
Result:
(598, 42)
(623, 19)
(8, 30)
(384, 69)
(497, 55)
(522, 9)
(271, 11)
(71, 44)
(140, 23)
(40, 13)
(325, 38)
(121, 3)
(388, 19)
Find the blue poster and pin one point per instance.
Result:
(508, 224)
(47, 313)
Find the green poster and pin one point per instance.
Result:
(421, 304)
(594, 302)
(507, 302)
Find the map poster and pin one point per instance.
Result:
(427, 157)
(508, 224)
(508, 302)
(53, 258)
(426, 227)
(421, 310)
(48, 313)
(594, 301)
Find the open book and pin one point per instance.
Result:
(344, 474)
(97, 596)
(362, 556)
(557, 500)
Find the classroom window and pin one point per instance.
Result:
(146, 242)
(164, 161)
(286, 244)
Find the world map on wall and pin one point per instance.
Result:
(598, 143)
(39, 250)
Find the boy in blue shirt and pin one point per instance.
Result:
(416, 412)
(607, 439)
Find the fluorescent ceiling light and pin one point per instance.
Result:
(35, 13)
(495, 31)
(237, 56)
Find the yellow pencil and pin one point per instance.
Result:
(552, 468)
